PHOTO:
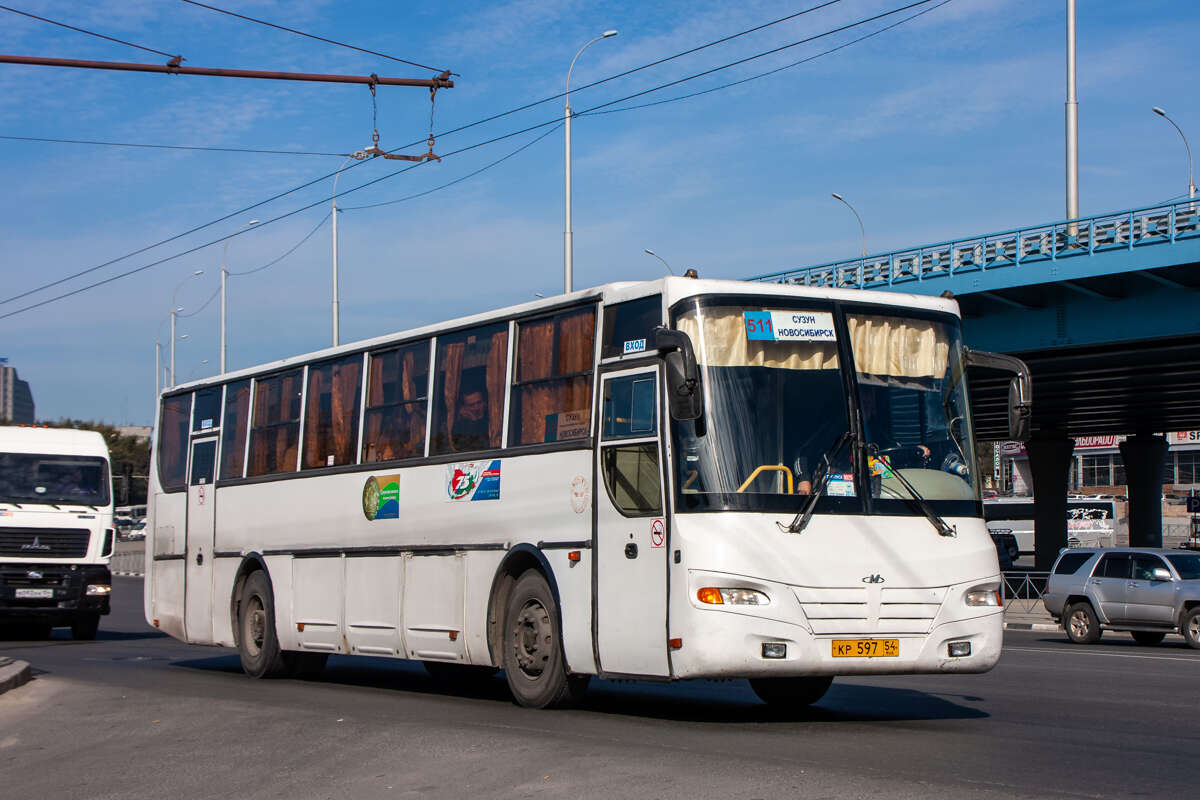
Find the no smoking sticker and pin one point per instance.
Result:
(658, 533)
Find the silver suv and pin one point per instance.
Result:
(1148, 592)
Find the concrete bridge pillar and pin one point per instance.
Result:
(1144, 456)
(1050, 456)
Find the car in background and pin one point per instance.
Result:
(137, 533)
(1148, 592)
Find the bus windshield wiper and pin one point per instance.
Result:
(798, 524)
(935, 520)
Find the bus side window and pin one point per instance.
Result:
(275, 432)
(234, 427)
(629, 326)
(552, 382)
(172, 447)
(331, 415)
(397, 383)
(472, 369)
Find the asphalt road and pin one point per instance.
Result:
(138, 715)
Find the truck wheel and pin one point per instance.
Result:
(257, 643)
(1190, 628)
(1147, 638)
(533, 658)
(84, 627)
(1081, 624)
(791, 692)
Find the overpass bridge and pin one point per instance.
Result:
(1105, 310)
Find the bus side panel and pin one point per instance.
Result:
(165, 551)
(317, 600)
(575, 599)
(224, 573)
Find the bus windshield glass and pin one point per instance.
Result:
(913, 400)
(51, 479)
(775, 405)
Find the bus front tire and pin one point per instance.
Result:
(533, 657)
(84, 627)
(257, 642)
(791, 692)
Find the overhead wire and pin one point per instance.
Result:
(211, 297)
(375, 181)
(168, 146)
(314, 36)
(459, 129)
(295, 247)
(805, 60)
(89, 33)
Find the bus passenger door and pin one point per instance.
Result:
(201, 518)
(630, 545)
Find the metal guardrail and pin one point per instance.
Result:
(1025, 586)
(128, 561)
(1125, 230)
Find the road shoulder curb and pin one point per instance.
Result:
(13, 673)
(1031, 626)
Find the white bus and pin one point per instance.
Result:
(664, 480)
(56, 529)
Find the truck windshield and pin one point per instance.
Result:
(913, 399)
(54, 480)
(775, 403)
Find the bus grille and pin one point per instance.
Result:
(44, 542)
(873, 611)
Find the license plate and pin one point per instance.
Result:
(866, 648)
(35, 594)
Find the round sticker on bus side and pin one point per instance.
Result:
(579, 494)
(658, 534)
(370, 498)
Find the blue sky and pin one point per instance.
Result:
(948, 125)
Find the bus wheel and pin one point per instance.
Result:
(83, 628)
(791, 692)
(533, 657)
(257, 643)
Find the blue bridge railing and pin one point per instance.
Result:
(1125, 230)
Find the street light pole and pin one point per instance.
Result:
(336, 319)
(660, 258)
(861, 229)
(1191, 180)
(1072, 126)
(568, 247)
(175, 309)
(224, 278)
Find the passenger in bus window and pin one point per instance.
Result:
(470, 430)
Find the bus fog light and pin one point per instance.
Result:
(774, 650)
(959, 649)
(99, 589)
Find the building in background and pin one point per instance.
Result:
(1097, 467)
(16, 400)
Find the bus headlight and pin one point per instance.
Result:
(716, 596)
(988, 595)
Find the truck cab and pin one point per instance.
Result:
(56, 530)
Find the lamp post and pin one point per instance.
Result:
(224, 278)
(660, 258)
(1191, 180)
(567, 244)
(336, 319)
(863, 230)
(175, 309)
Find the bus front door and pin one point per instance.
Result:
(631, 538)
(201, 519)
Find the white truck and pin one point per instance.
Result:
(56, 530)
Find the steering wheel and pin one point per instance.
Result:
(923, 452)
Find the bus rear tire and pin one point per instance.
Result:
(258, 644)
(533, 657)
(84, 627)
(791, 692)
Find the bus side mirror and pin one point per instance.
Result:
(684, 396)
(1020, 389)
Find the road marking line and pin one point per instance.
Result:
(1101, 653)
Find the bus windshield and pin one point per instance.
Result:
(774, 406)
(913, 400)
(51, 479)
